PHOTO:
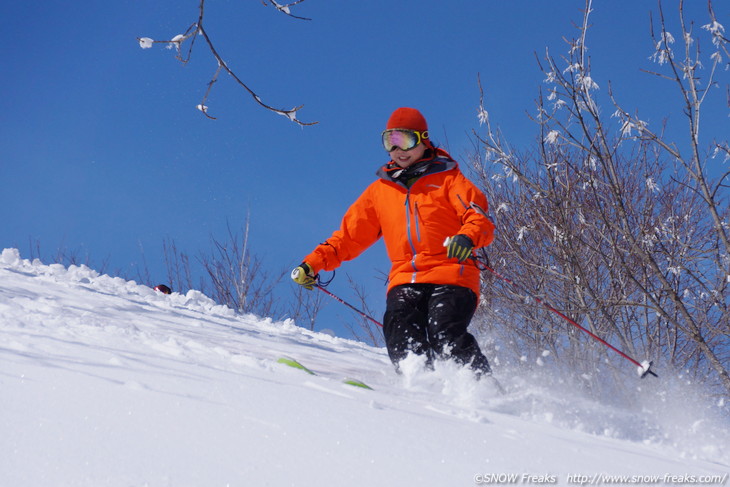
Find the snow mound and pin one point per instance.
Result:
(106, 382)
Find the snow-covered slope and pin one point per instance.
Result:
(104, 382)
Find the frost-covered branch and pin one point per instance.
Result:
(497, 148)
(606, 216)
(286, 9)
(197, 29)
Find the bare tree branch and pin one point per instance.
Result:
(285, 8)
(614, 226)
(196, 30)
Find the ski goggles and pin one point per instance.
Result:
(402, 139)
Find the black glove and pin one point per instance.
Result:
(459, 247)
(302, 275)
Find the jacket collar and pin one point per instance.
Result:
(440, 162)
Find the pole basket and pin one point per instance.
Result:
(645, 369)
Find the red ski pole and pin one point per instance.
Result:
(644, 369)
(361, 313)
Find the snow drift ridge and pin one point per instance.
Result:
(107, 382)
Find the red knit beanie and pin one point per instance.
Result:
(407, 118)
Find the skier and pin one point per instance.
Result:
(431, 218)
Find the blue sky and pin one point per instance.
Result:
(103, 151)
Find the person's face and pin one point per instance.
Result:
(406, 158)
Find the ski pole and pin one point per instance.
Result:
(361, 313)
(644, 369)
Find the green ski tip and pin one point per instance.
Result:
(357, 383)
(293, 363)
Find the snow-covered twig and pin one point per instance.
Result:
(196, 30)
(285, 8)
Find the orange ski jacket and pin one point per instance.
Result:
(414, 222)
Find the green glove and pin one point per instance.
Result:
(459, 247)
(302, 275)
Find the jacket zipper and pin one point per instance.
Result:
(417, 217)
(409, 234)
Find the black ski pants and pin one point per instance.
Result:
(432, 320)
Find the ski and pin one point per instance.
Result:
(297, 365)
(293, 363)
(357, 383)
